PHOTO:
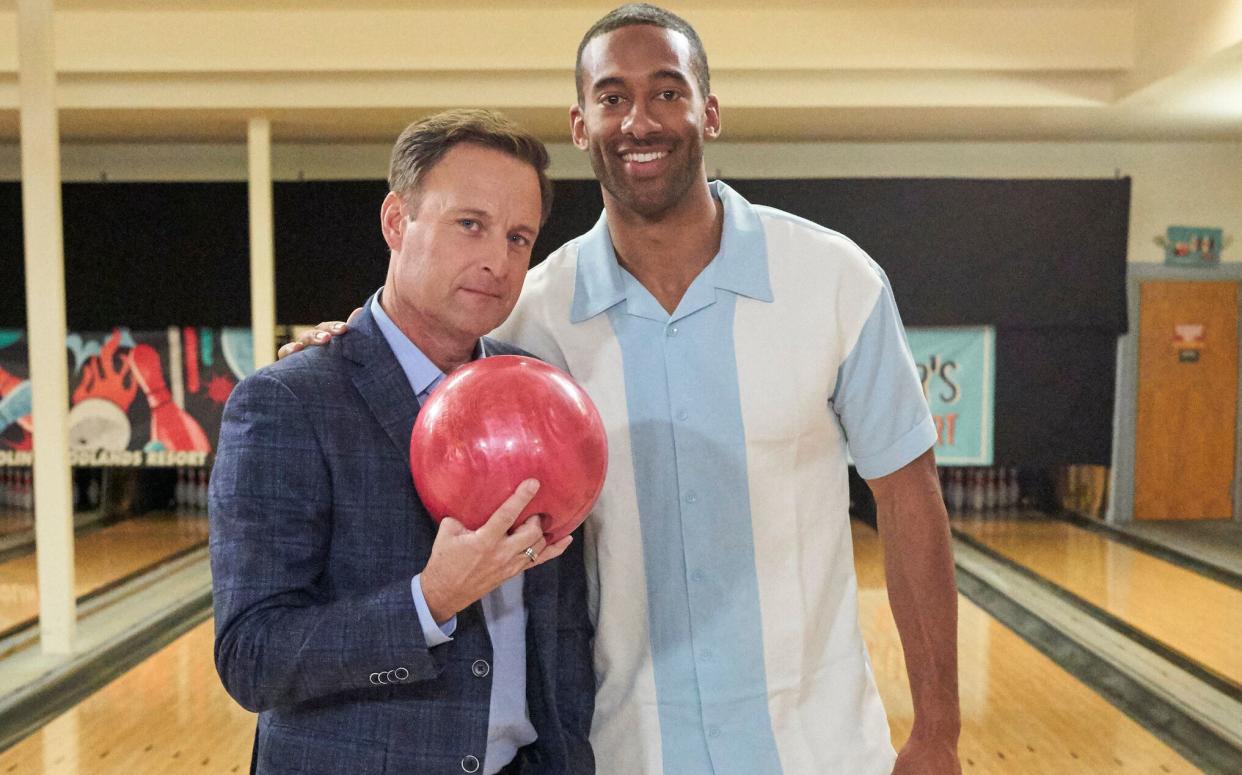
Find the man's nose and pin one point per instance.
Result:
(639, 122)
(494, 257)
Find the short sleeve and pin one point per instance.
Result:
(878, 396)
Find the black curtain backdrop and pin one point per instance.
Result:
(330, 254)
(12, 261)
(1043, 261)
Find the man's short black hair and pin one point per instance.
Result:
(633, 14)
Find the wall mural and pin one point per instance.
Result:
(136, 398)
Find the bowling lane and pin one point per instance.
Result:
(101, 557)
(1021, 713)
(13, 521)
(169, 714)
(1197, 616)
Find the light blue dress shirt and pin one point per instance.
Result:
(508, 724)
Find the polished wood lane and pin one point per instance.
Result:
(101, 557)
(1021, 713)
(167, 715)
(1194, 615)
(13, 521)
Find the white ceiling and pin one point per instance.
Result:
(887, 70)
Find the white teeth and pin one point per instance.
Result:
(645, 157)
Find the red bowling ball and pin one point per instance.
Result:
(498, 421)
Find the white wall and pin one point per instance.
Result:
(1196, 184)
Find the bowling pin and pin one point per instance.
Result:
(92, 493)
(200, 489)
(28, 490)
(957, 492)
(976, 490)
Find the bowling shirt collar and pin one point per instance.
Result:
(419, 370)
(741, 266)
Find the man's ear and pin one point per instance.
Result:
(577, 127)
(711, 126)
(392, 220)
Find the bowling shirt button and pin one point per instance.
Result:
(683, 415)
(706, 655)
(697, 576)
(692, 497)
(470, 764)
(713, 731)
(672, 331)
(480, 668)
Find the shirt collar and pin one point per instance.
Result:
(418, 368)
(741, 266)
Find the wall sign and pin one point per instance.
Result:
(1192, 245)
(956, 368)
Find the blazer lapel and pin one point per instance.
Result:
(381, 381)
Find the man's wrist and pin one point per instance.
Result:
(438, 603)
(434, 633)
(943, 726)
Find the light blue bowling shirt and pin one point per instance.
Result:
(719, 559)
(508, 724)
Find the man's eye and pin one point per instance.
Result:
(519, 240)
(469, 224)
(668, 94)
(611, 99)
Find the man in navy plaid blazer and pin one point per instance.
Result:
(367, 639)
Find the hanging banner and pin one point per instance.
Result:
(956, 366)
(136, 398)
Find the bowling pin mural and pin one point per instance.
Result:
(15, 400)
(185, 373)
(171, 426)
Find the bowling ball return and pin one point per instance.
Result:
(498, 421)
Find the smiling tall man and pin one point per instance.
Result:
(732, 350)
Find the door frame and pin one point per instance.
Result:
(1125, 405)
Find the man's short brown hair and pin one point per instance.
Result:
(423, 143)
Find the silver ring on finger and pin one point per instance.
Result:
(530, 553)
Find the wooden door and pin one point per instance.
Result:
(1187, 400)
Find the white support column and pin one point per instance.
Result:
(262, 244)
(45, 324)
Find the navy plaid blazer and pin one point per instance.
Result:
(316, 531)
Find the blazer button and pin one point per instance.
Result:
(480, 668)
(470, 764)
(401, 674)
(374, 679)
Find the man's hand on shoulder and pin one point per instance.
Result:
(317, 336)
